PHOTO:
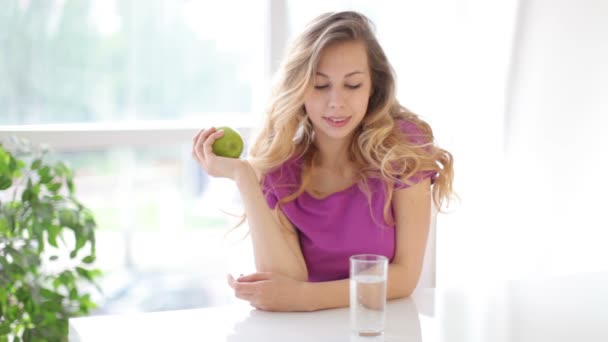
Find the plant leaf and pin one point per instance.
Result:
(67, 218)
(3, 226)
(36, 164)
(88, 259)
(5, 329)
(70, 184)
(45, 174)
(73, 293)
(50, 295)
(12, 164)
(4, 160)
(80, 241)
(5, 182)
(53, 231)
(25, 196)
(83, 272)
(53, 187)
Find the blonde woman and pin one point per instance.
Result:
(339, 168)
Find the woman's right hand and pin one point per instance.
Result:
(213, 164)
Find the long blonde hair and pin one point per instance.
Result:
(378, 149)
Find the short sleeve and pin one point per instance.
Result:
(269, 191)
(415, 135)
(281, 182)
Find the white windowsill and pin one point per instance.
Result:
(90, 136)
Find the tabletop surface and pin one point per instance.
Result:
(566, 308)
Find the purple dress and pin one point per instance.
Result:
(335, 227)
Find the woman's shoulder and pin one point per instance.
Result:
(287, 173)
(415, 130)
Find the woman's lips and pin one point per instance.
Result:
(337, 122)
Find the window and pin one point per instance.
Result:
(118, 89)
(109, 60)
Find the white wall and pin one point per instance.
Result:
(534, 205)
(556, 141)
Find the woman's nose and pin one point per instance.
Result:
(336, 98)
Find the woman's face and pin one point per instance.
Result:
(338, 100)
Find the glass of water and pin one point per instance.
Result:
(368, 274)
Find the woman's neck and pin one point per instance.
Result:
(333, 154)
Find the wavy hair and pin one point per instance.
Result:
(379, 148)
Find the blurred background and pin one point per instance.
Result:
(516, 90)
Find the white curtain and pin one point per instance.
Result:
(534, 197)
(556, 139)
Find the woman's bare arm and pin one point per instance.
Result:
(276, 248)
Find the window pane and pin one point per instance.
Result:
(110, 60)
(151, 190)
(163, 238)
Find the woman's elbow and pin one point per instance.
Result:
(402, 288)
(401, 293)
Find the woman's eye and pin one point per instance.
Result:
(353, 86)
(322, 86)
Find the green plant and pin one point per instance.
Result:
(47, 246)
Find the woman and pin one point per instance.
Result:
(339, 168)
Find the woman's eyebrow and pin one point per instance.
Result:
(347, 75)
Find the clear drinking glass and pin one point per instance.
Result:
(368, 274)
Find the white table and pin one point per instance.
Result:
(569, 308)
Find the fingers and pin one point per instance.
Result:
(205, 135)
(200, 140)
(250, 297)
(255, 277)
(208, 143)
(244, 291)
(231, 281)
(194, 141)
(249, 288)
(252, 288)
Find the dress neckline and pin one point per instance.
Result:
(346, 190)
(333, 194)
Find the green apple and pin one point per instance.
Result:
(229, 145)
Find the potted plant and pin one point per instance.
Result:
(47, 246)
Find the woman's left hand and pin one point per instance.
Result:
(270, 291)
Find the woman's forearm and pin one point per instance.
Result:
(335, 294)
(272, 253)
(326, 295)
